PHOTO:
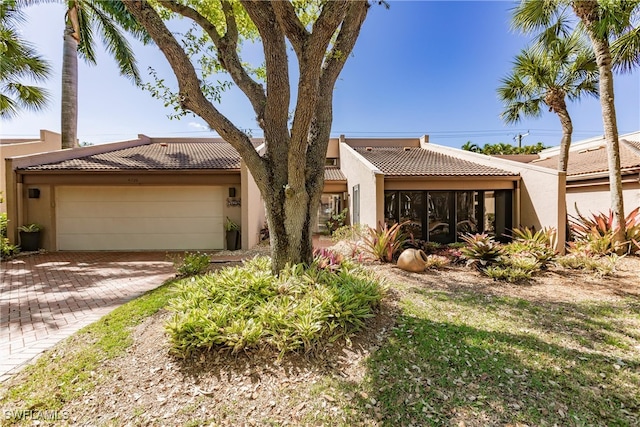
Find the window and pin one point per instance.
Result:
(356, 204)
(446, 216)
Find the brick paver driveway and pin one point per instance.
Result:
(45, 298)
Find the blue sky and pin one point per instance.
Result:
(421, 67)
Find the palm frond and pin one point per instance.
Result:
(116, 44)
(625, 51)
(535, 15)
(86, 45)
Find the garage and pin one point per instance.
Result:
(139, 217)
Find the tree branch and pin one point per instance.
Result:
(345, 41)
(189, 85)
(277, 65)
(291, 25)
(310, 64)
(227, 47)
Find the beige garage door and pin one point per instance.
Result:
(139, 218)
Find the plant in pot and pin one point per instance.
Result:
(233, 235)
(30, 237)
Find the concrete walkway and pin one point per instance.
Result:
(45, 298)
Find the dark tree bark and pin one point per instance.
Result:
(290, 175)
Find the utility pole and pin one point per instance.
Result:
(519, 137)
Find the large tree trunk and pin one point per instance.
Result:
(565, 144)
(290, 175)
(69, 107)
(588, 12)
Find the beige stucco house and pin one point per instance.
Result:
(588, 173)
(175, 193)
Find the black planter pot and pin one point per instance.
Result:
(29, 241)
(233, 240)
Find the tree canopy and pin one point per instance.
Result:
(20, 65)
(321, 35)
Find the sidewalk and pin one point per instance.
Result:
(45, 298)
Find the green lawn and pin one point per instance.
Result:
(486, 360)
(452, 357)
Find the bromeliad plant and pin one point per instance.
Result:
(595, 233)
(327, 259)
(248, 307)
(540, 245)
(481, 250)
(385, 243)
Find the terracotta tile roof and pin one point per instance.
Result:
(333, 174)
(156, 156)
(423, 162)
(595, 160)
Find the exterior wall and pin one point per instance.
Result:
(361, 172)
(333, 150)
(597, 198)
(253, 212)
(22, 210)
(541, 197)
(49, 141)
(41, 211)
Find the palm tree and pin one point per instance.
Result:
(19, 61)
(81, 18)
(604, 23)
(470, 146)
(547, 74)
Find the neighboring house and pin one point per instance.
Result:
(49, 141)
(175, 193)
(588, 173)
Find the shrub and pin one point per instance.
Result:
(247, 307)
(598, 231)
(481, 250)
(192, 264)
(436, 261)
(7, 250)
(633, 231)
(3, 224)
(385, 243)
(353, 232)
(327, 259)
(600, 266)
(540, 244)
(508, 273)
(522, 261)
(336, 221)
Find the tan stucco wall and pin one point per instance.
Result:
(49, 141)
(360, 171)
(40, 211)
(253, 212)
(333, 149)
(597, 198)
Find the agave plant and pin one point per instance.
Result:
(481, 250)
